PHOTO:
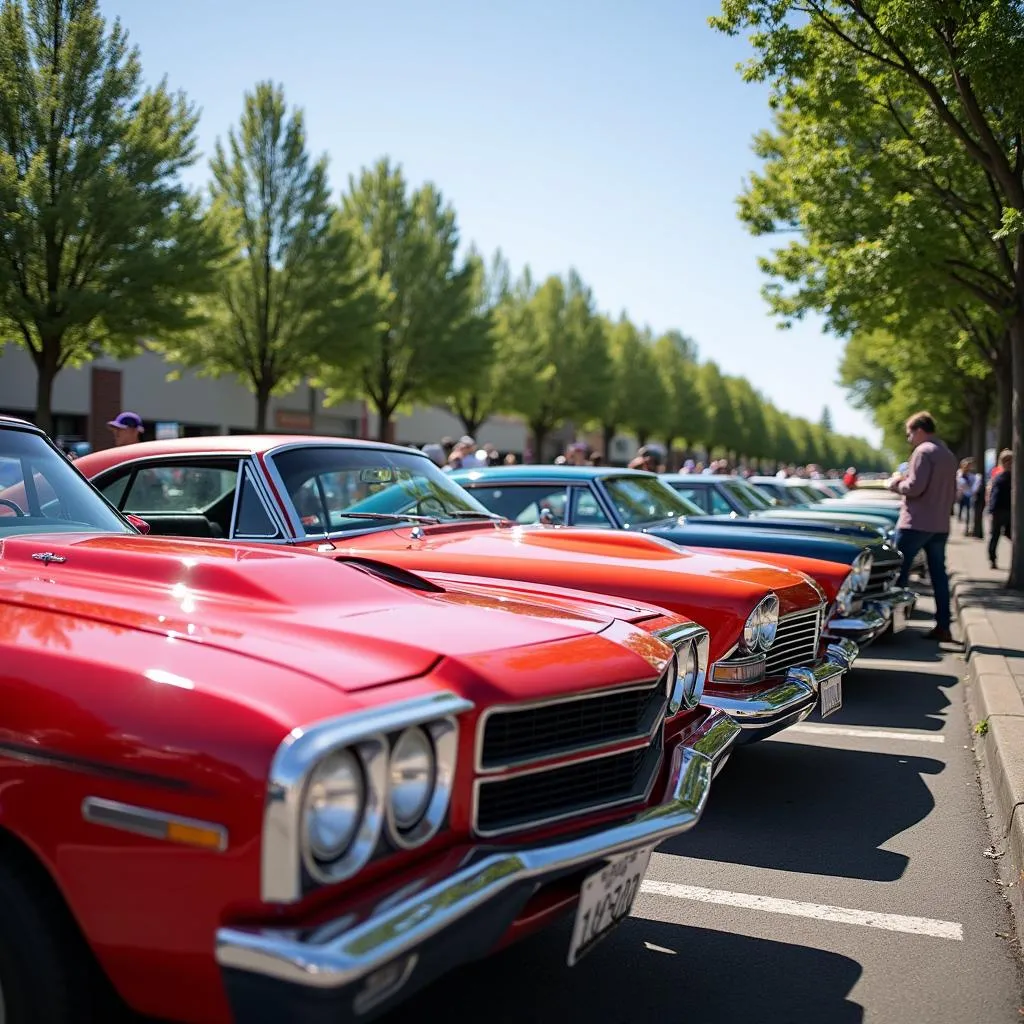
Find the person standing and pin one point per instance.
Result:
(999, 504)
(928, 489)
(127, 428)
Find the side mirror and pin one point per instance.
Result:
(140, 524)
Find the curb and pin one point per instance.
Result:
(994, 698)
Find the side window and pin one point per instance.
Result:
(586, 511)
(524, 503)
(252, 518)
(114, 490)
(180, 489)
(719, 506)
(698, 495)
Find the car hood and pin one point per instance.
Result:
(838, 526)
(632, 565)
(837, 548)
(350, 625)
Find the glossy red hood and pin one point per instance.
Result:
(338, 622)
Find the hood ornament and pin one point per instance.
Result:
(47, 557)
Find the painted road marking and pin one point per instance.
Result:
(867, 732)
(838, 915)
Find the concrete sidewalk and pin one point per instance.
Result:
(991, 626)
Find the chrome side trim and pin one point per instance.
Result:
(281, 869)
(402, 928)
(145, 821)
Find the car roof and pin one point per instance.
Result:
(18, 423)
(698, 478)
(539, 471)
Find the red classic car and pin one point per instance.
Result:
(252, 783)
(770, 663)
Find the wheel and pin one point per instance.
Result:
(47, 973)
(18, 512)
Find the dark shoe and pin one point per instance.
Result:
(942, 635)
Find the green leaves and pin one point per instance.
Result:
(99, 241)
(430, 336)
(292, 295)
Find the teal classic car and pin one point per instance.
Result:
(604, 497)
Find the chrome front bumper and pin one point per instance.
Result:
(860, 627)
(896, 606)
(347, 970)
(781, 704)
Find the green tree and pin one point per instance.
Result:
(953, 58)
(293, 298)
(474, 398)
(720, 429)
(552, 361)
(100, 243)
(637, 397)
(826, 421)
(424, 348)
(683, 414)
(750, 430)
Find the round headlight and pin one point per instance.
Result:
(769, 609)
(687, 694)
(335, 801)
(861, 568)
(413, 775)
(752, 630)
(845, 597)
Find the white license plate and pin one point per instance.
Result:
(900, 617)
(831, 696)
(606, 897)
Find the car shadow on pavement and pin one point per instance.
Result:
(894, 698)
(812, 809)
(693, 975)
(990, 593)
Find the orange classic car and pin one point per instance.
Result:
(251, 783)
(770, 664)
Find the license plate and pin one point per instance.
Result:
(606, 897)
(900, 617)
(831, 696)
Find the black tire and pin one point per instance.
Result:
(47, 973)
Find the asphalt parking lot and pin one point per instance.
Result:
(839, 874)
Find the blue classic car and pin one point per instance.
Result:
(625, 499)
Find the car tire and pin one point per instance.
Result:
(47, 973)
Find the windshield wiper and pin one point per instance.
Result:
(395, 517)
(468, 513)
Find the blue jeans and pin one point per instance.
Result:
(910, 542)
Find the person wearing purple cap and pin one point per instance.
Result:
(126, 427)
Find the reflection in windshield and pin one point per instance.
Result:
(41, 493)
(328, 483)
(643, 500)
(746, 496)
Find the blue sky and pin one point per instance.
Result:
(600, 134)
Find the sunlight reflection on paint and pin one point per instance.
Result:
(158, 675)
(180, 592)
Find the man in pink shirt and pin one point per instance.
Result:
(929, 490)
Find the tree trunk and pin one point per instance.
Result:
(384, 414)
(1004, 378)
(540, 433)
(1016, 578)
(979, 430)
(641, 438)
(262, 405)
(607, 437)
(45, 374)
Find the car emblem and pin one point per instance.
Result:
(48, 557)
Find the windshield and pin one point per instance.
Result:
(807, 493)
(335, 488)
(41, 493)
(641, 500)
(747, 497)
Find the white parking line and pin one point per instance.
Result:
(839, 915)
(868, 732)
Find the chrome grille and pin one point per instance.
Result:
(513, 736)
(796, 642)
(542, 796)
(883, 576)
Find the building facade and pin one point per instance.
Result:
(85, 398)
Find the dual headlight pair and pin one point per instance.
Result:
(400, 782)
(684, 676)
(761, 627)
(856, 583)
